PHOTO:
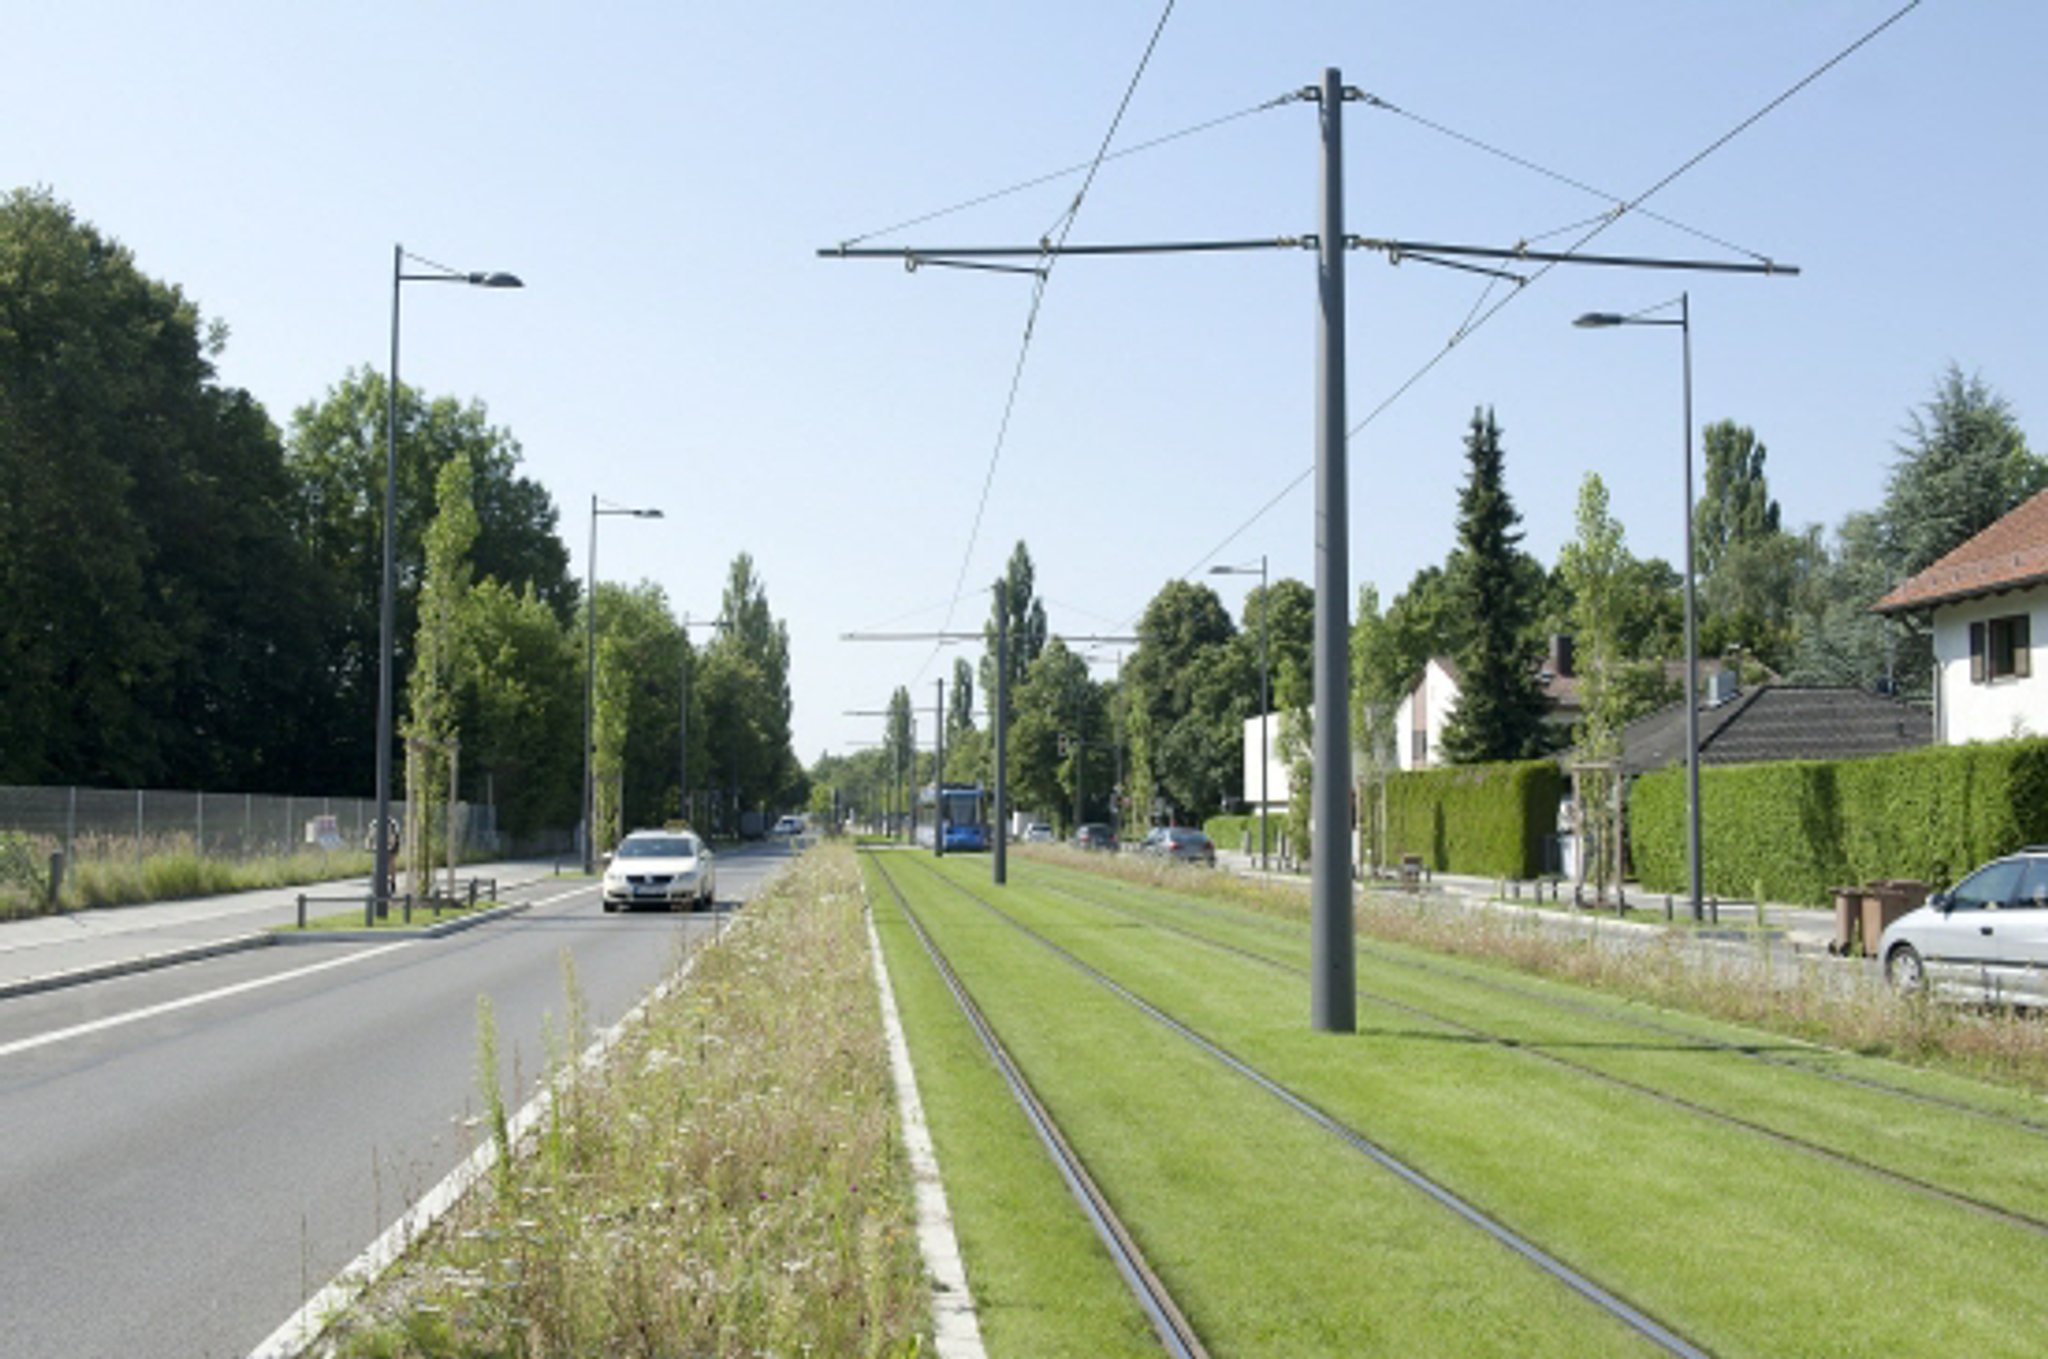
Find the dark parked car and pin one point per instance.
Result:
(1180, 844)
(1095, 835)
(1986, 938)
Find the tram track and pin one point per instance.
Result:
(2037, 1127)
(1176, 1334)
(1634, 1318)
(1537, 1052)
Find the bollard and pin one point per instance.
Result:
(1714, 910)
(1578, 895)
(56, 878)
(1667, 906)
(405, 916)
(472, 894)
(302, 910)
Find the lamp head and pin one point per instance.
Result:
(647, 514)
(1595, 320)
(496, 280)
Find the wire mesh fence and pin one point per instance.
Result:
(110, 823)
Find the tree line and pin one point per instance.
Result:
(192, 592)
(1161, 738)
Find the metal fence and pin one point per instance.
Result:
(111, 823)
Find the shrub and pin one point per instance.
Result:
(1488, 819)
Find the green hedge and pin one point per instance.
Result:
(1486, 819)
(1801, 827)
(1235, 832)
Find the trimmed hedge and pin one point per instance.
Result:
(1485, 819)
(1802, 827)
(1235, 832)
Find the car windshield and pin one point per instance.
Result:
(658, 847)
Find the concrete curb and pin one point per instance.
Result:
(145, 962)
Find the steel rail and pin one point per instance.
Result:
(1175, 1332)
(1535, 1050)
(2034, 1127)
(1645, 1325)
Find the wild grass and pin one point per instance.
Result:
(728, 1181)
(1814, 1000)
(169, 868)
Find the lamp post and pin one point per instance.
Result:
(597, 508)
(387, 609)
(1602, 319)
(1265, 700)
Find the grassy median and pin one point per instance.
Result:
(730, 1181)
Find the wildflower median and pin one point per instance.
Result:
(728, 1180)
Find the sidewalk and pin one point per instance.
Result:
(46, 952)
(1803, 928)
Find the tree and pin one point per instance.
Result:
(759, 764)
(440, 660)
(161, 623)
(1500, 709)
(1012, 595)
(1594, 565)
(1964, 464)
(335, 456)
(1183, 689)
(1736, 506)
(523, 711)
(899, 743)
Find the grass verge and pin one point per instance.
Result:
(174, 872)
(729, 1181)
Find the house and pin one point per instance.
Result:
(1774, 722)
(1984, 600)
(1422, 713)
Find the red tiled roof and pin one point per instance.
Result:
(2011, 553)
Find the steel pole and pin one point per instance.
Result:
(1692, 646)
(939, 773)
(1333, 999)
(387, 617)
(683, 732)
(590, 700)
(1002, 726)
(1265, 709)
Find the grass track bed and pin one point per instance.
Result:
(2001, 1163)
(1745, 1245)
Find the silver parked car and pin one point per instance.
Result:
(669, 869)
(1985, 939)
(1179, 843)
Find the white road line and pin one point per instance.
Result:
(152, 1011)
(187, 1002)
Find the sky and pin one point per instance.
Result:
(662, 176)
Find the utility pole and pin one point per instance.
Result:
(1002, 734)
(1333, 991)
(939, 773)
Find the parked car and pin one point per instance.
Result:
(788, 825)
(1038, 833)
(669, 869)
(1095, 835)
(1180, 844)
(1986, 938)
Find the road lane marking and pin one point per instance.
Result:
(186, 1002)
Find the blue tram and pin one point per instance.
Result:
(961, 808)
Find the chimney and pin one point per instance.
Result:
(1561, 654)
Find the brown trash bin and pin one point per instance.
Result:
(1885, 900)
(1848, 921)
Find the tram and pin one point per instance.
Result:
(961, 808)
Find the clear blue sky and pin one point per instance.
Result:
(661, 174)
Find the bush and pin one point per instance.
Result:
(1801, 827)
(1236, 833)
(1486, 819)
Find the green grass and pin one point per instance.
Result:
(1227, 1192)
(175, 871)
(729, 1182)
(395, 919)
(1747, 1245)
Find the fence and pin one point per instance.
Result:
(109, 823)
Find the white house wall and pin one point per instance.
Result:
(1276, 767)
(2003, 708)
(1438, 694)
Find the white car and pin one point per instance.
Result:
(788, 825)
(669, 869)
(1985, 939)
(1038, 833)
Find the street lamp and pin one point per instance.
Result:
(597, 508)
(1598, 320)
(1265, 701)
(387, 623)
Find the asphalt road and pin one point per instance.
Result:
(187, 1155)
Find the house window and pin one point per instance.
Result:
(1999, 649)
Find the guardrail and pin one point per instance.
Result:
(466, 898)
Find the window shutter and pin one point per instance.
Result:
(2022, 657)
(1977, 653)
